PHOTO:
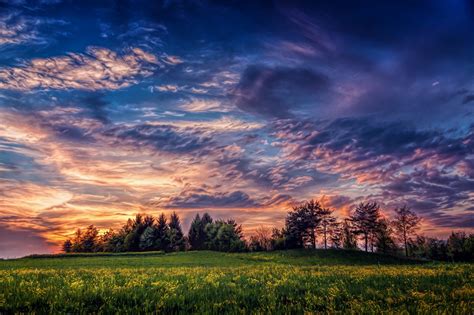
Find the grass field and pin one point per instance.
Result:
(210, 282)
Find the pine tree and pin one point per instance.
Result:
(162, 238)
(148, 239)
(365, 220)
(175, 233)
(196, 234)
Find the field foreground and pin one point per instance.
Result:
(211, 282)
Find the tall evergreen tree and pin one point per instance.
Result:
(162, 238)
(175, 233)
(197, 236)
(148, 239)
(194, 233)
(365, 220)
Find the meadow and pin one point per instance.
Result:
(294, 281)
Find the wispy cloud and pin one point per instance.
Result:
(98, 69)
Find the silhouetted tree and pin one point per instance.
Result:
(261, 240)
(405, 224)
(162, 238)
(278, 240)
(365, 221)
(301, 224)
(460, 246)
(67, 246)
(384, 242)
(349, 240)
(89, 239)
(175, 233)
(326, 222)
(105, 241)
(77, 242)
(336, 235)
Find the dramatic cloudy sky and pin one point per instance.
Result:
(240, 109)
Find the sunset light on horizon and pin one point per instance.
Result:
(242, 109)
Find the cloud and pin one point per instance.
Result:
(98, 69)
(468, 98)
(275, 92)
(393, 160)
(203, 197)
(160, 137)
(197, 105)
(17, 29)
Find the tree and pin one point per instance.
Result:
(405, 224)
(148, 239)
(336, 235)
(67, 246)
(105, 241)
(301, 224)
(261, 240)
(384, 242)
(460, 246)
(224, 236)
(162, 237)
(90, 239)
(175, 233)
(77, 242)
(349, 240)
(365, 220)
(326, 222)
(278, 240)
(197, 235)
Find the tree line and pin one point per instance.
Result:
(306, 226)
(147, 233)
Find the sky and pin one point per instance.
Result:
(238, 108)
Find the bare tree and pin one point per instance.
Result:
(405, 224)
(262, 239)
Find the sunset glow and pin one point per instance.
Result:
(241, 110)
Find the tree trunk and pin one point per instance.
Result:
(366, 242)
(406, 243)
(325, 238)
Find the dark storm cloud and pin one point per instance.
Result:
(275, 92)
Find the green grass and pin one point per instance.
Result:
(210, 282)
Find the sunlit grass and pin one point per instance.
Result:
(279, 282)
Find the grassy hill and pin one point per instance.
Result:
(296, 281)
(205, 259)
